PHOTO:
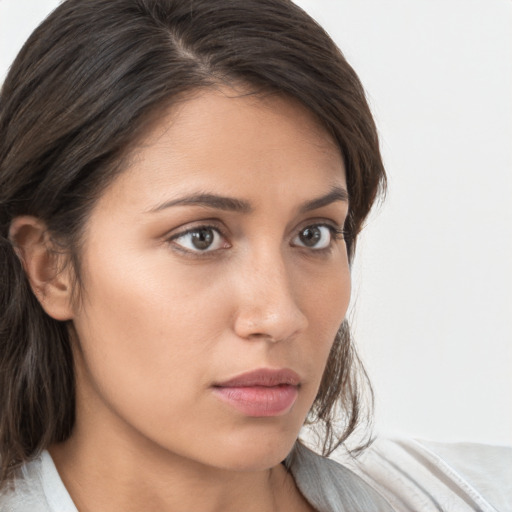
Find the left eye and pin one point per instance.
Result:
(315, 237)
(201, 239)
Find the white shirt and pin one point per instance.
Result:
(390, 476)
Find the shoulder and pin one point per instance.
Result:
(414, 475)
(36, 488)
(330, 486)
(25, 493)
(486, 468)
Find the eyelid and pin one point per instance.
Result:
(169, 238)
(336, 231)
(187, 227)
(334, 226)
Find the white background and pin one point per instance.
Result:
(433, 274)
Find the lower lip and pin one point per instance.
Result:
(259, 400)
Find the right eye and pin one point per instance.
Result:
(200, 239)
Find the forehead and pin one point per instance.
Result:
(229, 141)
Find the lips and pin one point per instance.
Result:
(260, 393)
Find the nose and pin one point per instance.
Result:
(267, 305)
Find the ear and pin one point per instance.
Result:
(49, 276)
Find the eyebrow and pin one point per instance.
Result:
(241, 206)
(336, 194)
(208, 201)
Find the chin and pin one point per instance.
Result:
(255, 453)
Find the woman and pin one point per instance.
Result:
(181, 189)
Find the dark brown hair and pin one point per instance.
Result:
(78, 97)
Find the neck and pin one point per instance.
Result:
(108, 479)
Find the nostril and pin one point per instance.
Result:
(262, 336)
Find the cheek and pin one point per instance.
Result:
(327, 297)
(325, 302)
(332, 300)
(150, 347)
(144, 334)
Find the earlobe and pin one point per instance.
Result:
(44, 265)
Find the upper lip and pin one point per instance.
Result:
(267, 377)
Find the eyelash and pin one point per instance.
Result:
(336, 233)
(195, 229)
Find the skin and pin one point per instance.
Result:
(159, 322)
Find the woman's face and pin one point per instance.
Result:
(216, 254)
